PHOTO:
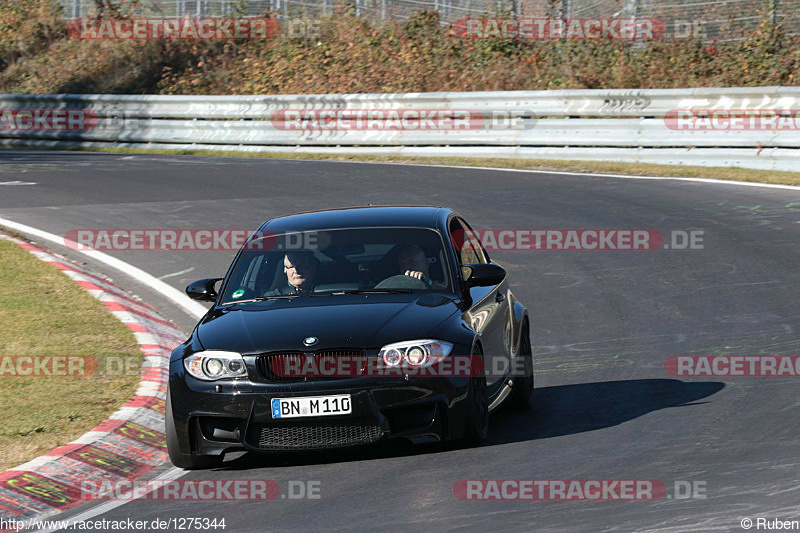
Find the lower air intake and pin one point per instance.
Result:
(280, 437)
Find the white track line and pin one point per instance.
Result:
(530, 171)
(567, 173)
(172, 473)
(194, 309)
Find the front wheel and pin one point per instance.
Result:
(522, 390)
(188, 461)
(476, 427)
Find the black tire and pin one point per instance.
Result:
(476, 425)
(183, 460)
(522, 390)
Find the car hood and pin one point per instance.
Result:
(341, 321)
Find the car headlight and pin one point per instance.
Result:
(212, 365)
(417, 354)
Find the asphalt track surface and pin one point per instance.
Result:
(603, 325)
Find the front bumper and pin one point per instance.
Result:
(213, 418)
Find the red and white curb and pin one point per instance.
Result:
(124, 446)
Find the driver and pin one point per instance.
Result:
(412, 262)
(301, 270)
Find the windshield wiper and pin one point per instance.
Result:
(261, 299)
(322, 293)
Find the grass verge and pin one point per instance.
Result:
(599, 167)
(43, 313)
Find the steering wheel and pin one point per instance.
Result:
(401, 281)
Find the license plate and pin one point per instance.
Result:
(311, 406)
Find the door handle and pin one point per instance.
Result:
(499, 297)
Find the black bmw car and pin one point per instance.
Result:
(345, 327)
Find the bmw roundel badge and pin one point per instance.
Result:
(310, 341)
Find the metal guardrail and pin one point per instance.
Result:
(602, 125)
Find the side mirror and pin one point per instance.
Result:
(484, 275)
(203, 289)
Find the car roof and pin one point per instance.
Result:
(354, 217)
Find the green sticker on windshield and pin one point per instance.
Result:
(238, 294)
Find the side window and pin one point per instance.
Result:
(457, 240)
(477, 246)
(466, 244)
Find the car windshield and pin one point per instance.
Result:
(339, 261)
